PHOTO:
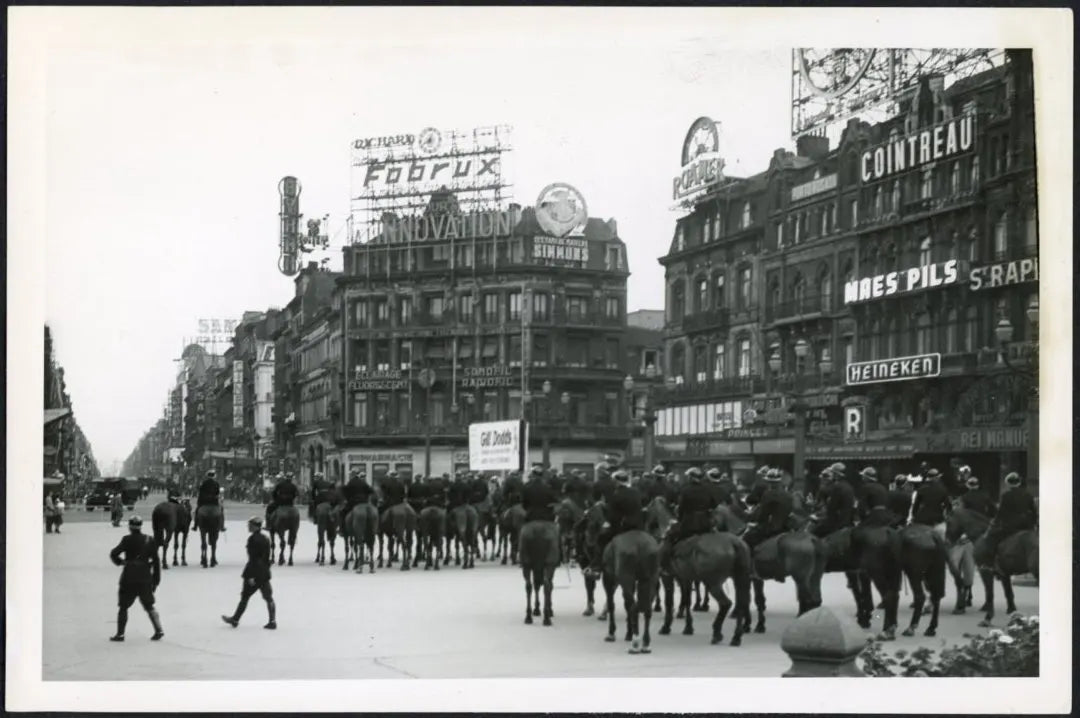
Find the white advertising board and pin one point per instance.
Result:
(497, 445)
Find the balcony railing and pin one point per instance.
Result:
(726, 386)
(553, 430)
(589, 319)
(807, 307)
(810, 380)
(709, 319)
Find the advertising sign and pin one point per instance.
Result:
(238, 394)
(497, 445)
(424, 228)
(854, 423)
(702, 165)
(919, 366)
(928, 276)
(814, 186)
(561, 249)
(486, 377)
(946, 139)
(560, 209)
(385, 380)
(1002, 274)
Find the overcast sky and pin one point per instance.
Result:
(166, 134)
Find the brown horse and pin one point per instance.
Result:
(586, 540)
(567, 513)
(284, 525)
(208, 521)
(165, 521)
(923, 558)
(327, 527)
(398, 524)
(658, 520)
(712, 558)
(510, 524)
(840, 557)
(878, 560)
(485, 527)
(431, 528)
(797, 554)
(461, 528)
(631, 562)
(1017, 554)
(358, 528)
(539, 544)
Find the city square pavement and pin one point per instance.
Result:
(418, 624)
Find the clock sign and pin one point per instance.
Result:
(701, 162)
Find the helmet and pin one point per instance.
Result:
(658, 470)
(900, 479)
(1012, 479)
(869, 473)
(211, 474)
(622, 476)
(135, 522)
(972, 482)
(536, 470)
(713, 474)
(773, 476)
(255, 521)
(694, 473)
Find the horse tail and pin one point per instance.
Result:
(742, 569)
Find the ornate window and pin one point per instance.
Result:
(825, 289)
(1031, 231)
(1001, 236)
(719, 362)
(718, 291)
(702, 294)
(678, 363)
(925, 252)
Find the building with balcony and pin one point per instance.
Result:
(498, 322)
(913, 238)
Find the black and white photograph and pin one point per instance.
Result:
(555, 358)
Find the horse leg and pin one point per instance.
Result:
(1007, 587)
(723, 605)
(319, 546)
(292, 544)
(528, 594)
(669, 590)
(345, 565)
(549, 574)
(988, 605)
(609, 607)
(936, 589)
(630, 604)
(213, 549)
(697, 596)
(646, 614)
(684, 609)
(202, 538)
(590, 594)
(759, 603)
(333, 540)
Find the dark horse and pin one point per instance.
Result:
(923, 558)
(631, 562)
(208, 521)
(485, 527)
(586, 537)
(510, 524)
(398, 524)
(169, 520)
(712, 558)
(840, 557)
(567, 513)
(658, 521)
(878, 561)
(326, 523)
(284, 523)
(798, 554)
(461, 529)
(539, 558)
(431, 527)
(358, 529)
(1016, 554)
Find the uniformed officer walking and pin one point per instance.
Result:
(140, 577)
(256, 575)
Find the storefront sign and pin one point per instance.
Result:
(560, 209)
(386, 142)
(947, 139)
(939, 274)
(382, 380)
(1002, 274)
(1012, 438)
(702, 165)
(750, 432)
(816, 186)
(403, 458)
(497, 445)
(486, 377)
(434, 227)
(238, 394)
(900, 369)
(385, 176)
(872, 450)
(575, 251)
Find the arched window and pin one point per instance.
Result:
(708, 230)
(701, 363)
(1001, 236)
(774, 298)
(971, 328)
(923, 339)
(745, 214)
(1031, 231)
(718, 291)
(877, 348)
(894, 204)
(716, 225)
(825, 289)
(954, 178)
(745, 287)
(952, 331)
(678, 363)
(927, 189)
(744, 357)
(892, 339)
(974, 181)
(798, 293)
(680, 239)
(972, 245)
(877, 201)
(719, 362)
(702, 294)
(678, 300)
(925, 254)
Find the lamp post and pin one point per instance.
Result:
(1004, 333)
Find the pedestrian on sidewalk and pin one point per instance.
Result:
(140, 577)
(256, 575)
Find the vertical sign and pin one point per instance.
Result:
(238, 394)
(854, 423)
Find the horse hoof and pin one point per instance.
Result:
(427, 566)
(688, 631)
(645, 649)
(183, 563)
(173, 562)
(864, 624)
(985, 623)
(528, 618)
(717, 639)
(436, 566)
(602, 616)
(958, 611)
(908, 632)
(504, 561)
(547, 621)
(930, 633)
(165, 567)
(984, 608)
(664, 630)
(680, 614)
(701, 609)
(760, 628)
(886, 636)
(536, 612)
(736, 641)
(333, 562)
(588, 611)
(609, 639)
(290, 562)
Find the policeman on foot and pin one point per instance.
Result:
(256, 576)
(140, 577)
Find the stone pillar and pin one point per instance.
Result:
(821, 644)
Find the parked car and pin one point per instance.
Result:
(98, 496)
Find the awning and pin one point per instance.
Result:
(52, 415)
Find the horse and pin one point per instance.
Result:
(398, 524)
(840, 557)
(539, 544)
(567, 514)
(658, 520)
(358, 528)
(631, 562)
(586, 538)
(208, 521)
(285, 520)
(712, 558)
(964, 522)
(165, 520)
(1017, 553)
(797, 554)
(922, 558)
(184, 521)
(485, 526)
(462, 527)
(877, 552)
(327, 526)
(431, 527)
(510, 524)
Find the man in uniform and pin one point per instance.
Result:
(357, 491)
(899, 500)
(210, 494)
(931, 503)
(623, 513)
(605, 485)
(537, 498)
(873, 500)
(457, 493)
(771, 514)
(838, 502)
(284, 494)
(1017, 512)
(393, 490)
(696, 502)
(976, 499)
(672, 489)
(576, 486)
(419, 490)
(256, 575)
(140, 577)
(719, 486)
(478, 490)
(512, 490)
(320, 492)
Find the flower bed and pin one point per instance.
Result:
(1000, 653)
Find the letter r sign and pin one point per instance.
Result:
(854, 423)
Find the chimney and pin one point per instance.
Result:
(613, 227)
(812, 146)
